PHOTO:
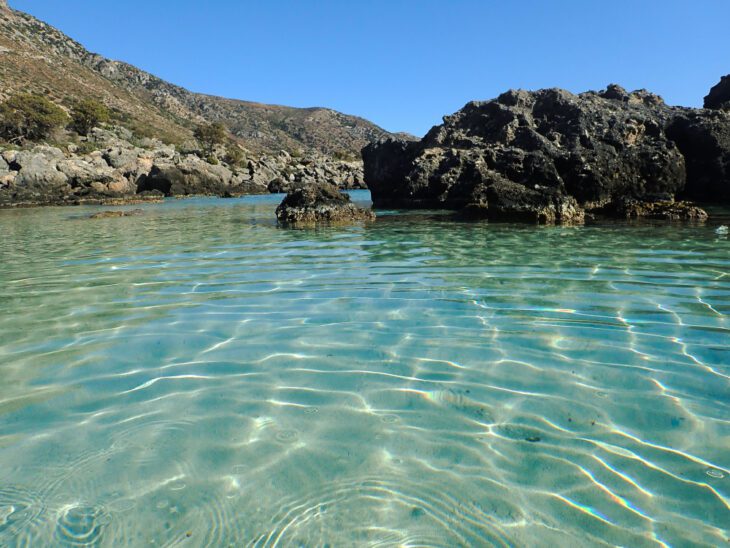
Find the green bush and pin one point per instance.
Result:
(210, 135)
(212, 160)
(88, 114)
(29, 117)
(234, 155)
(345, 155)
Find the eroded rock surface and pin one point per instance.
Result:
(549, 156)
(542, 156)
(320, 204)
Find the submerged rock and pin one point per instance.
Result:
(113, 214)
(320, 204)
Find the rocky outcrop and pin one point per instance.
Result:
(703, 137)
(661, 210)
(320, 204)
(719, 96)
(120, 169)
(187, 176)
(285, 172)
(547, 156)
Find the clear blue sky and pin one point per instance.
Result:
(405, 63)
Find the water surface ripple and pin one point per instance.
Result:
(198, 375)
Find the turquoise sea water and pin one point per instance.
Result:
(197, 376)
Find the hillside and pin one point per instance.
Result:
(36, 57)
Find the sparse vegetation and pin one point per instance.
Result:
(345, 155)
(29, 117)
(210, 135)
(88, 114)
(234, 154)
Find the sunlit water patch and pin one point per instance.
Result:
(198, 375)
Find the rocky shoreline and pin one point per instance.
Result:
(117, 171)
(550, 156)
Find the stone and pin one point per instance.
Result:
(544, 155)
(38, 169)
(9, 156)
(84, 171)
(703, 137)
(662, 210)
(122, 158)
(320, 204)
(719, 96)
(7, 180)
(189, 176)
(114, 214)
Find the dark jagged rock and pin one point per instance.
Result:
(320, 204)
(534, 155)
(503, 200)
(703, 137)
(663, 210)
(719, 96)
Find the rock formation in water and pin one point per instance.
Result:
(320, 204)
(549, 155)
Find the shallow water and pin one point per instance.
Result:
(199, 376)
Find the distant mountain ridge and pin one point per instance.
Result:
(36, 57)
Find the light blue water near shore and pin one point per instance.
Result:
(199, 377)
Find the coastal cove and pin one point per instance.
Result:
(197, 373)
(364, 274)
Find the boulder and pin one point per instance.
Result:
(122, 158)
(82, 172)
(38, 170)
(719, 96)
(320, 204)
(187, 176)
(566, 152)
(7, 180)
(703, 137)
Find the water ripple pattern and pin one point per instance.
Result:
(198, 376)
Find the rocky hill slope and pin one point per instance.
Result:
(36, 57)
(550, 156)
